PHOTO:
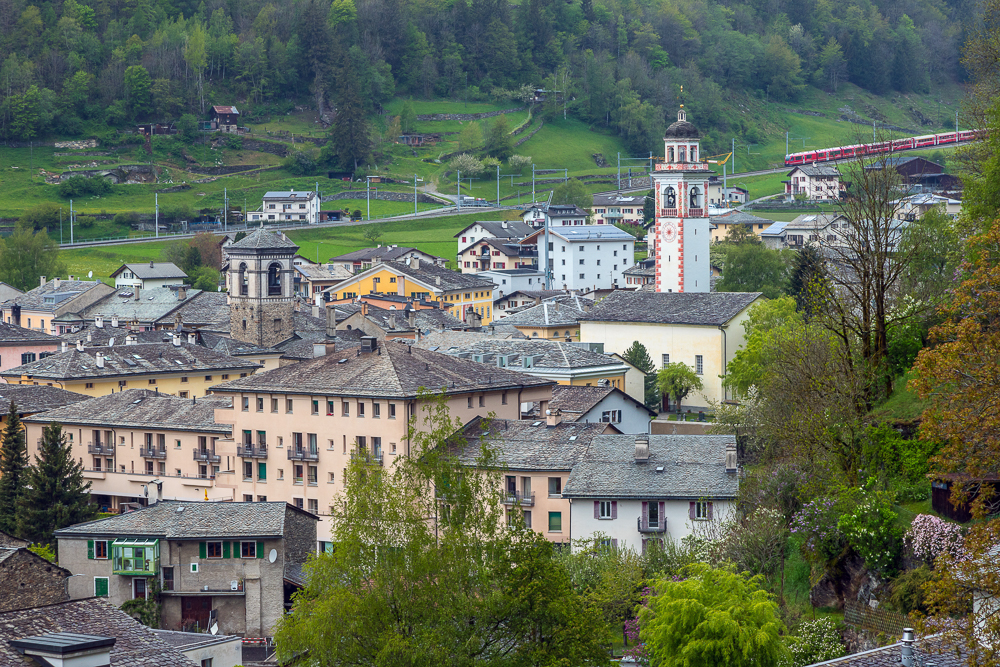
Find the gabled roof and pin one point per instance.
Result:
(11, 334)
(395, 370)
(201, 309)
(776, 229)
(33, 398)
(324, 272)
(695, 308)
(935, 650)
(125, 360)
(531, 294)
(506, 246)
(689, 467)
(574, 401)
(564, 211)
(424, 319)
(738, 218)
(154, 304)
(501, 229)
(815, 170)
(619, 200)
(151, 270)
(191, 520)
(139, 408)
(304, 195)
(525, 444)
(585, 233)
(435, 278)
(549, 355)
(56, 295)
(546, 314)
(384, 253)
(135, 644)
(261, 239)
(220, 108)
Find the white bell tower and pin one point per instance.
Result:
(682, 226)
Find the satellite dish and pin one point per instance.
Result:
(111, 342)
(90, 274)
(273, 556)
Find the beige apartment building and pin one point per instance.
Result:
(297, 427)
(137, 445)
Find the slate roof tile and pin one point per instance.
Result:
(527, 445)
(32, 398)
(698, 308)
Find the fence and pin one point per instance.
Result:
(257, 649)
(887, 622)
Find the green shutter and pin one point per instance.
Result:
(225, 550)
(261, 471)
(101, 587)
(236, 549)
(90, 549)
(202, 550)
(260, 549)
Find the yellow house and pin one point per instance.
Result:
(565, 363)
(552, 319)
(721, 224)
(170, 368)
(461, 294)
(701, 329)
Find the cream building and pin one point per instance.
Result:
(302, 424)
(702, 330)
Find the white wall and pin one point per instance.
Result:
(634, 418)
(625, 528)
(223, 654)
(505, 283)
(604, 262)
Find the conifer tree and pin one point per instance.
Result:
(13, 462)
(638, 356)
(56, 494)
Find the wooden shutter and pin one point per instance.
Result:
(710, 510)
(644, 547)
(663, 517)
(614, 544)
(202, 550)
(237, 553)
(101, 587)
(691, 510)
(614, 509)
(645, 522)
(260, 548)
(90, 549)
(597, 509)
(225, 550)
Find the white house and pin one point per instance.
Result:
(508, 281)
(815, 181)
(602, 403)
(615, 208)
(287, 205)
(147, 276)
(633, 489)
(725, 197)
(585, 258)
(557, 215)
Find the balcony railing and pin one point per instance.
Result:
(518, 498)
(252, 452)
(668, 212)
(369, 457)
(302, 455)
(207, 455)
(152, 453)
(660, 527)
(696, 213)
(98, 449)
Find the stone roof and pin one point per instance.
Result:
(205, 308)
(693, 467)
(151, 270)
(135, 644)
(230, 346)
(531, 294)
(575, 401)
(395, 370)
(64, 292)
(262, 239)
(639, 270)
(619, 200)
(324, 271)
(300, 346)
(696, 308)
(433, 319)
(141, 408)
(33, 398)
(933, 650)
(591, 233)
(189, 640)
(125, 360)
(500, 229)
(191, 520)
(681, 129)
(441, 341)
(817, 170)
(505, 246)
(527, 445)
(450, 280)
(13, 334)
(564, 211)
(153, 305)
(545, 314)
(548, 354)
(384, 253)
(736, 217)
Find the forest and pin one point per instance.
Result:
(73, 69)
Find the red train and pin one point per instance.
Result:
(908, 143)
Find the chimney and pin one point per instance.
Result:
(503, 224)
(79, 346)
(642, 448)
(411, 317)
(553, 417)
(392, 322)
(192, 338)
(315, 310)
(150, 263)
(99, 321)
(177, 340)
(100, 359)
(369, 343)
(90, 337)
(41, 281)
(178, 322)
(137, 290)
(63, 346)
(319, 350)
(131, 339)
(906, 650)
(56, 282)
(114, 321)
(437, 281)
(364, 309)
(66, 649)
(182, 292)
(331, 322)
(731, 457)
(71, 278)
(415, 263)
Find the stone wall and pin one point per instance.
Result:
(264, 147)
(529, 135)
(300, 535)
(11, 541)
(466, 116)
(28, 580)
(83, 143)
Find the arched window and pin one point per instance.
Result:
(670, 153)
(694, 153)
(669, 198)
(244, 284)
(274, 280)
(681, 154)
(695, 197)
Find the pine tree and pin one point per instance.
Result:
(55, 495)
(13, 462)
(805, 282)
(350, 136)
(638, 356)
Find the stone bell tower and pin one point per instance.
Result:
(261, 296)
(682, 226)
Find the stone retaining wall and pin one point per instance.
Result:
(530, 134)
(466, 116)
(422, 197)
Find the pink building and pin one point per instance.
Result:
(22, 346)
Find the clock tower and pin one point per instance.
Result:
(682, 226)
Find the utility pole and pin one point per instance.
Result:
(548, 276)
(532, 183)
(956, 125)
(458, 199)
(71, 222)
(786, 145)
(498, 185)
(566, 176)
(156, 215)
(725, 188)
(619, 171)
(225, 209)
(60, 226)
(414, 194)
(734, 155)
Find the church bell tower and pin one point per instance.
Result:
(261, 290)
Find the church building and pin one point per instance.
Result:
(261, 290)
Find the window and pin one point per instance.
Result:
(313, 479)
(345, 409)
(607, 509)
(555, 522)
(699, 364)
(168, 578)
(262, 471)
(225, 376)
(90, 385)
(246, 403)
(248, 470)
(274, 280)
(214, 550)
(314, 506)
(101, 587)
(555, 486)
(288, 405)
(298, 474)
(503, 398)
(298, 502)
(361, 409)
(376, 410)
(392, 411)
(208, 378)
(152, 382)
(666, 359)
(469, 402)
(206, 662)
(482, 401)
(260, 404)
(582, 262)
(315, 407)
(261, 499)
(184, 379)
(100, 550)
(248, 549)
(331, 480)
(247, 498)
(581, 276)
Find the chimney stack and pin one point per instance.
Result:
(56, 282)
(177, 340)
(79, 346)
(411, 316)
(63, 346)
(90, 337)
(731, 457)
(192, 338)
(182, 292)
(137, 290)
(178, 322)
(319, 350)
(150, 263)
(369, 343)
(99, 358)
(41, 281)
(392, 322)
(114, 321)
(99, 321)
(906, 650)
(131, 339)
(642, 448)
(553, 417)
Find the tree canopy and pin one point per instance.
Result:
(677, 380)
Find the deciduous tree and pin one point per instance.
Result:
(25, 255)
(751, 267)
(677, 380)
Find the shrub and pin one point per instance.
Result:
(519, 163)
(817, 523)
(929, 537)
(79, 186)
(816, 641)
(467, 164)
(187, 127)
(41, 216)
(127, 219)
(234, 142)
(302, 162)
(870, 528)
(908, 590)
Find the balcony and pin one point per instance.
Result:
(302, 455)
(252, 452)
(517, 498)
(375, 458)
(152, 453)
(206, 455)
(696, 213)
(107, 450)
(668, 212)
(660, 527)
